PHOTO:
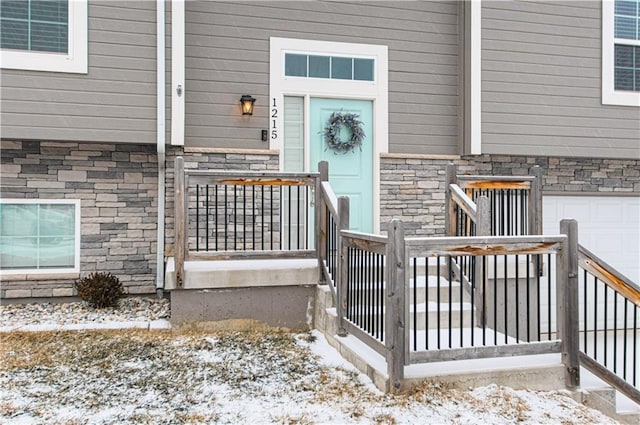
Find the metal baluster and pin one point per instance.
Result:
(197, 217)
(450, 275)
(271, 224)
(382, 300)
(517, 306)
(253, 217)
(529, 298)
(235, 217)
(216, 215)
(624, 340)
(225, 217)
(426, 303)
(495, 300)
(549, 289)
(415, 304)
(606, 316)
(438, 300)
(471, 270)
(584, 306)
(615, 331)
(506, 300)
(207, 218)
(595, 318)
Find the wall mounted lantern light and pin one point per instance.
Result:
(247, 104)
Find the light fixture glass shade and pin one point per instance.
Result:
(247, 104)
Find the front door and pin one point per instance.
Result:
(350, 173)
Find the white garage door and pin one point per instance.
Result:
(608, 226)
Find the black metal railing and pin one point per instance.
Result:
(609, 324)
(403, 298)
(505, 302)
(243, 214)
(237, 214)
(363, 289)
(515, 203)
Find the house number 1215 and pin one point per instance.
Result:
(274, 116)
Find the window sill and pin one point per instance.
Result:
(621, 98)
(9, 276)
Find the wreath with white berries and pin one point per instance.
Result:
(331, 132)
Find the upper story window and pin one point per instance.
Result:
(44, 35)
(39, 236)
(621, 52)
(331, 67)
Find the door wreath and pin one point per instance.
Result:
(331, 132)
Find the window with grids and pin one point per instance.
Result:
(35, 25)
(627, 45)
(39, 235)
(331, 67)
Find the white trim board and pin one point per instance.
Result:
(376, 91)
(74, 61)
(178, 89)
(609, 95)
(77, 230)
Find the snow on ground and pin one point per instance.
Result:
(256, 375)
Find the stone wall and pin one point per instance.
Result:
(117, 186)
(412, 188)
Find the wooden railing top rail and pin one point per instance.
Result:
(607, 274)
(330, 198)
(464, 202)
(251, 178)
(365, 241)
(484, 245)
(495, 182)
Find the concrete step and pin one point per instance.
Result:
(423, 315)
(244, 289)
(244, 273)
(597, 394)
(422, 289)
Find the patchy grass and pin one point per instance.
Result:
(246, 373)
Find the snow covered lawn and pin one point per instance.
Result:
(201, 375)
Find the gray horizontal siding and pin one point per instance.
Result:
(227, 55)
(541, 83)
(114, 102)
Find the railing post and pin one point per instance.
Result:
(395, 305)
(321, 215)
(179, 220)
(568, 304)
(341, 286)
(483, 228)
(535, 211)
(535, 203)
(450, 218)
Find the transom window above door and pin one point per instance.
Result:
(330, 67)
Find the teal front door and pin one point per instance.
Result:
(350, 173)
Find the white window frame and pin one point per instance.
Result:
(610, 96)
(77, 229)
(74, 61)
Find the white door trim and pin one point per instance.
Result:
(376, 91)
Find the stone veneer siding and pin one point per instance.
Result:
(117, 186)
(412, 188)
